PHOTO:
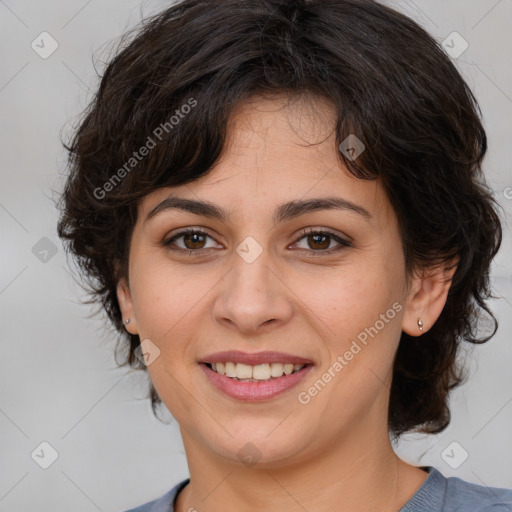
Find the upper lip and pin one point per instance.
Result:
(235, 356)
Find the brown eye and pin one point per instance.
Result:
(191, 240)
(321, 242)
(194, 240)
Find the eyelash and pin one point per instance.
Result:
(303, 233)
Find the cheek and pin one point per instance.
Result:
(162, 297)
(352, 299)
(170, 302)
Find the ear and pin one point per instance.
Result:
(126, 305)
(427, 296)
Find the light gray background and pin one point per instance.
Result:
(59, 382)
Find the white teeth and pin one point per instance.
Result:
(276, 369)
(243, 371)
(230, 369)
(258, 372)
(261, 372)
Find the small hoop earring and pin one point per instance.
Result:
(420, 324)
(127, 321)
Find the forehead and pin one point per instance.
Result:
(278, 149)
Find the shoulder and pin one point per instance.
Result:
(462, 495)
(452, 494)
(163, 504)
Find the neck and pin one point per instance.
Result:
(353, 473)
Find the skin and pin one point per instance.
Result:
(293, 298)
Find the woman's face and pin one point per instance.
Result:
(254, 280)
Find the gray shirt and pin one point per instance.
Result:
(436, 494)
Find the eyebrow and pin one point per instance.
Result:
(285, 211)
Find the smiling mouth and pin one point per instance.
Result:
(254, 373)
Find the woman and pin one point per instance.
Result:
(281, 207)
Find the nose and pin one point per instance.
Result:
(253, 297)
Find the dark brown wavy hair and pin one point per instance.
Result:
(389, 82)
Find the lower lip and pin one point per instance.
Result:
(255, 391)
